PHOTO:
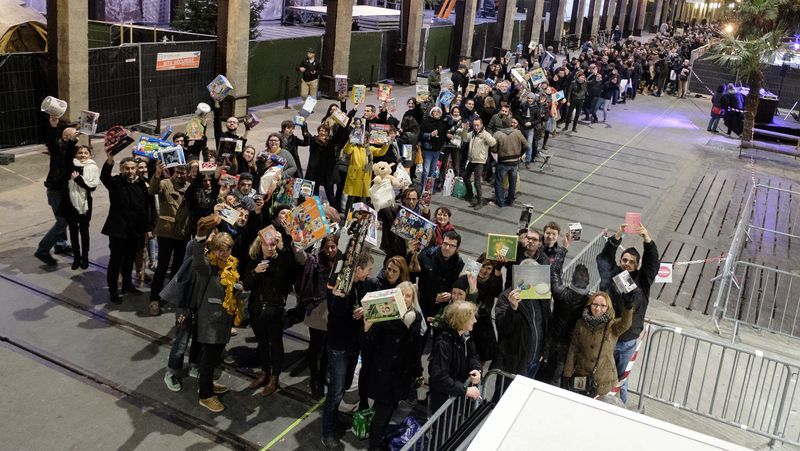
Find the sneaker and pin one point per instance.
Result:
(194, 372)
(491, 202)
(212, 404)
(172, 381)
(220, 389)
(229, 359)
(477, 206)
(154, 308)
(46, 258)
(331, 443)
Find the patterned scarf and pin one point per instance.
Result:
(228, 276)
(594, 321)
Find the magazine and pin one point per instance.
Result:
(422, 93)
(340, 81)
(384, 92)
(412, 226)
(379, 134)
(384, 305)
(501, 246)
(533, 281)
(308, 223)
(359, 94)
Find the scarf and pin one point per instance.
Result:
(593, 321)
(439, 231)
(228, 276)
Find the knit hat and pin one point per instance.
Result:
(580, 278)
(462, 283)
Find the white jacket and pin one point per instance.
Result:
(78, 195)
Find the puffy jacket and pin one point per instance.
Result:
(511, 143)
(479, 145)
(453, 357)
(577, 91)
(643, 277)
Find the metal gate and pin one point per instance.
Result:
(115, 90)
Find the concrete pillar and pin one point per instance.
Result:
(657, 14)
(595, 16)
(504, 26)
(534, 27)
(558, 30)
(68, 55)
(577, 18)
(233, 44)
(632, 18)
(411, 30)
(623, 14)
(668, 4)
(640, 14)
(336, 45)
(612, 11)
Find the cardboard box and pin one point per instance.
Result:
(575, 229)
(384, 305)
(219, 88)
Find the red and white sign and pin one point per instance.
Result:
(177, 60)
(664, 273)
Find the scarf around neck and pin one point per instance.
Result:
(228, 276)
(593, 321)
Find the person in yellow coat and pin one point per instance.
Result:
(359, 171)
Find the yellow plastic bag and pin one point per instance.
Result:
(519, 185)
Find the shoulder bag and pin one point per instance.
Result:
(586, 385)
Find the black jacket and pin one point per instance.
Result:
(271, 287)
(392, 346)
(460, 82)
(452, 359)
(343, 330)
(568, 302)
(313, 69)
(129, 206)
(522, 334)
(437, 275)
(643, 277)
(61, 155)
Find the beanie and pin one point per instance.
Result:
(462, 283)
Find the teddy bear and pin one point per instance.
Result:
(383, 173)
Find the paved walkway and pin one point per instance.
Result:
(644, 158)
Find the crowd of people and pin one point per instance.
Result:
(222, 275)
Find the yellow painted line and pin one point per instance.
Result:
(293, 425)
(544, 213)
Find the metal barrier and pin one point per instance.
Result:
(727, 383)
(587, 256)
(755, 294)
(444, 429)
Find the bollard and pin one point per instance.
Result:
(371, 77)
(286, 92)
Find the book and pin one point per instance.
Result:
(379, 134)
(446, 98)
(533, 281)
(358, 133)
(471, 266)
(422, 93)
(558, 96)
(538, 76)
(308, 223)
(519, 74)
(384, 92)
(229, 215)
(412, 226)
(391, 105)
(633, 221)
(303, 187)
(623, 282)
(299, 120)
(575, 229)
(308, 106)
(340, 83)
(384, 305)
(358, 94)
(470, 88)
(219, 88)
(172, 156)
(340, 117)
(475, 66)
(194, 129)
(501, 246)
(525, 217)
(268, 234)
(87, 122)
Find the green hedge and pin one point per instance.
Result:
(439, 46)
(270, 61)
(365, 52)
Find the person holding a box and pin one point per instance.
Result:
(643, 276)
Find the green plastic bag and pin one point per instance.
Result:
(362, 420)
(459, 188)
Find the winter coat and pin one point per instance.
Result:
(392, 347)
(437, 275)
(81, 187)
(479, 145)
(173, 210)
(483, 332)
(643, 277)
(129, 212)
(359, 171)
(577, 91)
(522, 334)
(291, 143)
(585, 347)
(453, 357)
(271, 287)
(213, 321)
(428, 142)
(343, 329)
(568, 301)
(511, 143)
(61, 155)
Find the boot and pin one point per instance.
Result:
(272, 385)
(76, 261)
(85, 260)
(261, 379)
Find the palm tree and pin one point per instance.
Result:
(748, 58)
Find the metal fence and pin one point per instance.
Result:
(446, 428)
(740, 387)
(587, 256)
(751, 292)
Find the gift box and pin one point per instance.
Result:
(384, 305)
(219, 88)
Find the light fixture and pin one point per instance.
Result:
(729, 28)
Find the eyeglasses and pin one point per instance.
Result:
(274, 140)
(446, 244)
(533, 238)
(600, 305)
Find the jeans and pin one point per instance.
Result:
(429, 160)
(477, 169)
(599, 104)
(622, 355)
(713, 123)
(341, 366)
(635, 86)
(121, 258)
(268, 328)
(181, 343)
(530, 135)
(168, 249)
(57, 235)
(503, 170)
(210, 358)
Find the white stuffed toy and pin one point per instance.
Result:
(383, 173)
